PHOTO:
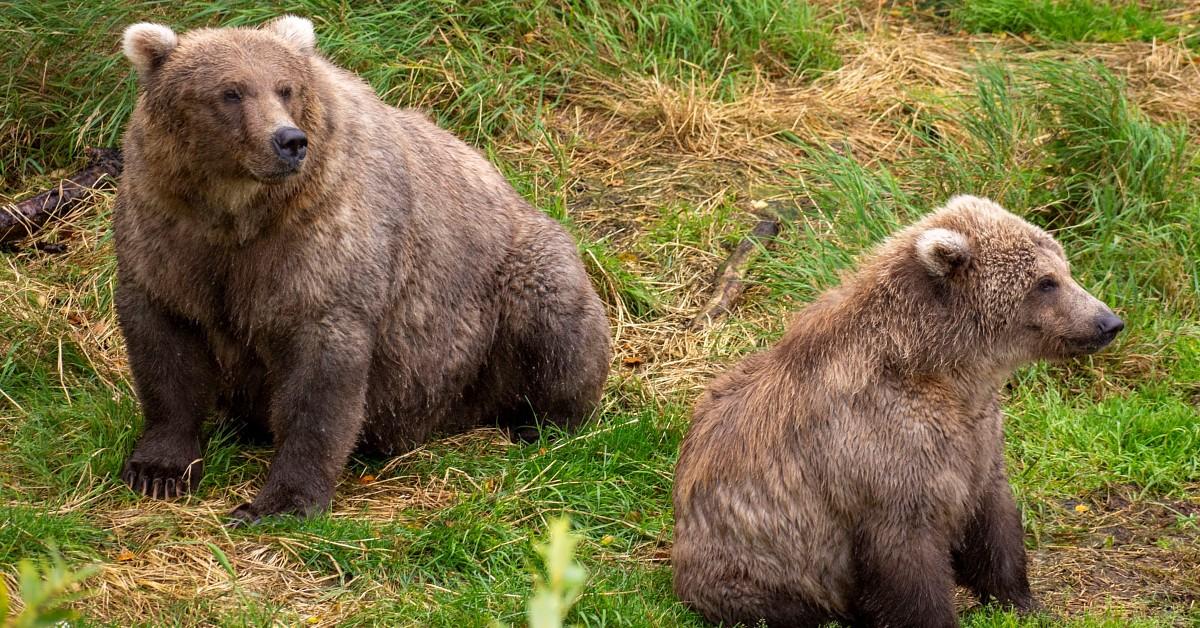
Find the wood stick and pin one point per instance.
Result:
(23, 219)
(729, 282)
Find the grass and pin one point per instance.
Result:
(484, 68)
(650, 129)
(1067, 20)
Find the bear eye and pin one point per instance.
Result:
(232, 95)
(1047, 284)
(285, 93)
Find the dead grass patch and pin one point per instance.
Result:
(177, 562)
(1162, 78)
(865, 104)
(1117, 549)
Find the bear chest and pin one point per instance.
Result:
(929, 458)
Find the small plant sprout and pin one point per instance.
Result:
(47, 591)
(557, 589)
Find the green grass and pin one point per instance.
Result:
(1060, 142)
(485, 68)
(1064, 20)
(1147, 438)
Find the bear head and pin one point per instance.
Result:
(233, 102)
(1008, 280)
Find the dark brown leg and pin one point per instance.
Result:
(176, 380)
(991, 557)
(317, 411)
(904, 578)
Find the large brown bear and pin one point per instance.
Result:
(855, 471)
(344, 272)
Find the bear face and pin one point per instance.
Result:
(1059, 319)
(238, 100)
(1013, 280)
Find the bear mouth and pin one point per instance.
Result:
(1085, 346)
(279, 175)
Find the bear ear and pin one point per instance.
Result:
(297, 31)
(942, 250)
(968, 201)
(147, 45)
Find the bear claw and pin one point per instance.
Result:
(161, 481)
(242, 516)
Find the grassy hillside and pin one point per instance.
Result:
(654, 130)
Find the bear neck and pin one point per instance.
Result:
(235, 211)
(884, 323)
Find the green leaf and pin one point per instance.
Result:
(223, 559)
(4, 601)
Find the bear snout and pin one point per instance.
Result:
(1104, 328)
(1107, 327)
(290, 144)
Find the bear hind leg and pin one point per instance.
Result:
(246, 406)
(555, 365)
(729, 600)
(557, 384)
(904, 578)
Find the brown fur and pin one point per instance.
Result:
(855, 471)
(392, 288)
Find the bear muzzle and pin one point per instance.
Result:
(1105, 328)
(291, 146)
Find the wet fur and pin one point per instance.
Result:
(395, 288)
(855, 471)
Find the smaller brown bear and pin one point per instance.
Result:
(855, 471)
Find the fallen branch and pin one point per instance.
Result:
(729, 282)
(23, 219)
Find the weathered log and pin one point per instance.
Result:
(23, 219)
(729, 282)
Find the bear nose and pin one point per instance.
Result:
(1109, 325)
(290, 144)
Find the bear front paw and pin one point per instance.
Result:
(1027, 606)
(280, 502)
(243, 515)
(162, 480)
